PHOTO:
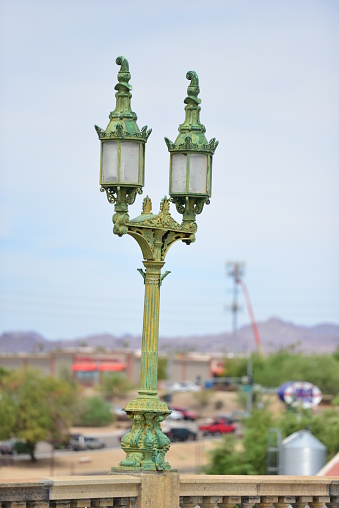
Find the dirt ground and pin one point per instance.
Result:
(186, 457)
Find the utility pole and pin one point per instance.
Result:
(236, 271)
(249, 394)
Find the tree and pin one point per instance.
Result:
(226, 459)
(162, 368)
(92, 412)
(3, 374)
(35, 408)
(283, 366)
(325, 427)
(255, 439)
(249, 457)
(114, 385)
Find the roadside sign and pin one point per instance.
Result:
(300, 393)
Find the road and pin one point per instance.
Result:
(111, 440)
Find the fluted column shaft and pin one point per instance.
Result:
(150, 332)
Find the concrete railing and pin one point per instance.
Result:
(171, 490)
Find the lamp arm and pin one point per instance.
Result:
(155, 234)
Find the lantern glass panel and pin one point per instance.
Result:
(198, 173)
(178, 174)
(109, 163)
(129, 162)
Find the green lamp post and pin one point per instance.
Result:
(122, 165)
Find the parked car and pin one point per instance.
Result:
(184, 386)
(234, 417)
(175, 415)
(93, 443)
(13, 446)
(181, 434)
(238, 416)
(173, 387)
(217, 427)
(189, 386)
(120, 414)
(188, 414)
(79, 442)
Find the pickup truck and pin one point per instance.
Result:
(217, 427)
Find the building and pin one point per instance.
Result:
(87, 365)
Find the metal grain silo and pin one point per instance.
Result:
(302, 454)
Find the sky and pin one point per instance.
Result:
(269, 81)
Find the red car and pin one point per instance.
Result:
(188, 414)
(217, 427)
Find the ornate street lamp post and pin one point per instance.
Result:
(122, 165)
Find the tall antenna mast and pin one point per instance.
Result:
(236, 271)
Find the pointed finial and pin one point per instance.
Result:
(191, 135)
(146, 206)
(123, 75)
(193, 89)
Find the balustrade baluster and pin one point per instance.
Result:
(301, 501)
(267, 502)
(80, 503)
(102, 503)
(37, 504)
(230, 502)
(190, 502)
(13, 504)
(319, 502)
(249, 502)
(125, 502)
(334, 502)
(284, 502)
(60, 504)
(210, 502)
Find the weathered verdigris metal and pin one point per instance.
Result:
(191, 140)
(146, 445)
(123, 127)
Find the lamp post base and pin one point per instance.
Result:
(145, 445)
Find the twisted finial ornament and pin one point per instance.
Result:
(193, 89)
(123, 75)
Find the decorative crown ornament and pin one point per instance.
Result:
(191, 135)
(123, 121)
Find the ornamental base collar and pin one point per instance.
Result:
(145, 445)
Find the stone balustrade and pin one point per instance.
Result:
(171, 490)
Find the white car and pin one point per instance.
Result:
(173, 387)
(175, 415)
(119, 413)
(183, 386)
(189, 386)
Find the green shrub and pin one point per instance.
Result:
(114, 385)
(92, 412)
(162, 368)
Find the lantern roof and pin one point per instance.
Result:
(123, 121)
(191, 135)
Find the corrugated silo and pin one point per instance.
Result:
(302, 454)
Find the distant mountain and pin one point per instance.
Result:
(21, 342)
(31, 342)
(275, 334)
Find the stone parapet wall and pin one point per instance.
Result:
(171, 490)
